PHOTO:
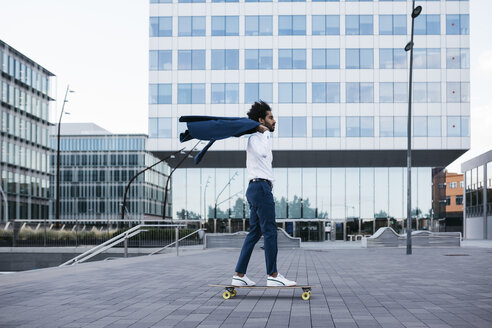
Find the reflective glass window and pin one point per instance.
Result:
(291, 58)
(428, 24)
(400, 126)
(326, 92)
(225, 93)
(291, 25)
(434, 126)
(352, 126)
(285, 126)
(164, 127)
(258, 91)
(161, 26)
(325, 25)
(392, 25)
(258, 25)
(386, 126)
(225, 59)
(191, 93)
(420, 126)
(191, 59)
(457, 24)
(319, 126)
(453, 126)
(160, 60)
(367, 126)
(326, 59)
(359, 58)
(225, 25)
(153, 128)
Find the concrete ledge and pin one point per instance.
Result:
(387, 237)
(236, 240)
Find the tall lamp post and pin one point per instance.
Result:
(123, 205)
(216, 199)
(65, 100)
(409, 47)
(186, 155)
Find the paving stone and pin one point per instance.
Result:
(354, 288)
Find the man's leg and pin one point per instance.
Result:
(266, 214)
(251, 239)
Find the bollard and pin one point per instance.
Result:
(177, 241)
(126, 245)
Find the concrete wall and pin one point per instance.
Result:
(474, 228)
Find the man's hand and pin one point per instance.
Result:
(261, 128)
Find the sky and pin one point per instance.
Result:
(100, 49)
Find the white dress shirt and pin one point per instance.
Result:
(259, 156)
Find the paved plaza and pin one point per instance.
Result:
(446, 287)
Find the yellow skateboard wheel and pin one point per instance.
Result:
(306, 296)
(226, 295)
(233, 293)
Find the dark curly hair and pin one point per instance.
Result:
(258, 110)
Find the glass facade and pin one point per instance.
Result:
(94, 172)
(300, 193)
(25, 96)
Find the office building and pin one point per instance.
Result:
(336, 76)
(95, 168)
(25, 94)
(478, 200)
(447, 200)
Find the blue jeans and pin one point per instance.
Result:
(261, 222)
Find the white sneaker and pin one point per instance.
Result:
(279, 280)
(242, 281)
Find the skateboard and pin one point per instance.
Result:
(230, 291)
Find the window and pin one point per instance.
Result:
(458, 58)
(362, 92)
(191, 59)
(160, 93)
(291, 25)
(225, 0)
(359, 58)
(434, 126)
(258, 25)
(326, 59)
(359, 126)
(190, 1)
(160, 127)
(161, 26)
(393, 92)
(458, 126)
(392, 58)
(392, 25)
(325, 25)
(258, 91)
(458, 24)
(427, 58)
(225, 25)
(428, 25)
(429, 92)
(160, 60)
(359, 25)
(258, 59)
(291, 93)
(453, 185)
(225, 59)
(258, 1)
(291, 58)
(292, 126)
(457, 92)
(191, 26)
(448, 200)
(326, 126)
(225, 93)
(459, 200)
(191, 93)
(326, 92)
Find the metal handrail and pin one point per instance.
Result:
(124, 236)
(177, 242)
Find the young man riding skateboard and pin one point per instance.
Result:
(260, 198)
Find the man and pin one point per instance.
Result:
(259, 194)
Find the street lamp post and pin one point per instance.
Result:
(58, 156)
(205, 198)
(216, 199)
(171, 173)
(409, 47)
(123, 205)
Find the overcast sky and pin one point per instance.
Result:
(100, 48)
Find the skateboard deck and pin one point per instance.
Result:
(230, 291)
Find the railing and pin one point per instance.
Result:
(33, 233)
(121, 238)
(200, 233)
(476, 210)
